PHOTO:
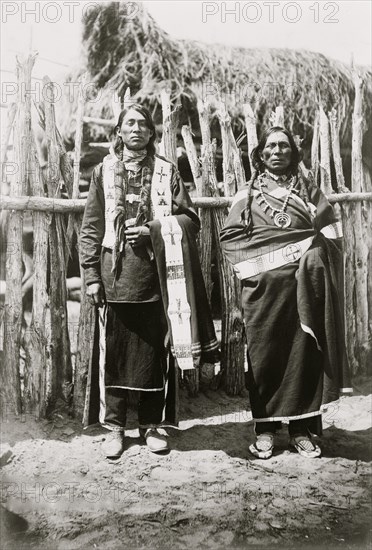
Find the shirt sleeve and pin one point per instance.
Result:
(93, 229)
(233, 235)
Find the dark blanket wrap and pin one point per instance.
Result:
(293, 316)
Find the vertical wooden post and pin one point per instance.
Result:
(37, 385)
(13, 310)
(315, 148)
(279, 116)
(325, 155)
(232, 343)
(64, 159)
(336, 151)
(5, 136)
(84, 352)
(347, 216)
(170, 123)
(250, 124)
(205, 234)
(233, 171)
(85, 337)
(361, 248)
(61, 375)
(74, 222)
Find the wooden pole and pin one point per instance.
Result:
(279, 116)
(232, 341)
(325, 154)
(38, 389)
(234, 175)
(205, 234)
(250, 124)
(193, 159)
(78, 136)
(315, 148)
(110, 123)
(336, 151)
(13, 309)
(74, 222)
(87, 317)
(170, 123)
(11, 113)
(84, 352)
(361, 235)
(64, 159)
(348, 245)
(65, 206)
(61, 375)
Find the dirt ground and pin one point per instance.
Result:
(58, 491)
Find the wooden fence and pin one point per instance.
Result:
(48, 372)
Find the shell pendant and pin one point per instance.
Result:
(282, 219)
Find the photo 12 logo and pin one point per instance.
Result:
(53, 12)
(270, 12)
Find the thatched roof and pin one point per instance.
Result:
(135, 52)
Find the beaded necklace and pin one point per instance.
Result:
(280, 216)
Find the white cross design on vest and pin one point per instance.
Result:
(161, 174)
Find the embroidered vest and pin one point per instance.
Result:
(161, 195)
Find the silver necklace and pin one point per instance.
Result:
(280, 216)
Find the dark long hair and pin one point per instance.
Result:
(118, 143)
(302, 183)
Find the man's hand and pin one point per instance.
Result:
(95, 294)
(138, 236)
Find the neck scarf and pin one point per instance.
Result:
(133, 158)
(282, 178)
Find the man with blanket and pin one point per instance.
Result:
(138, 250)
(282, 238)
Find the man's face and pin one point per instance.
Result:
(134, 131)
(277, 153)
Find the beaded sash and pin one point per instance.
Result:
(179, 311)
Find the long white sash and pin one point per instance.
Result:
(179, 311)
(108, 177)
(282, 256)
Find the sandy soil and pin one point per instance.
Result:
(58, 491)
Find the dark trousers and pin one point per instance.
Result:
(302, 426)
(150, 407)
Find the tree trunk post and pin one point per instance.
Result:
(361, 233)
(250, 124)
(315, 148)
(325, 155)
(38, 390)
(232, 341)
(205, 234)
(61, 375)
(87, 317)
(13, 307)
